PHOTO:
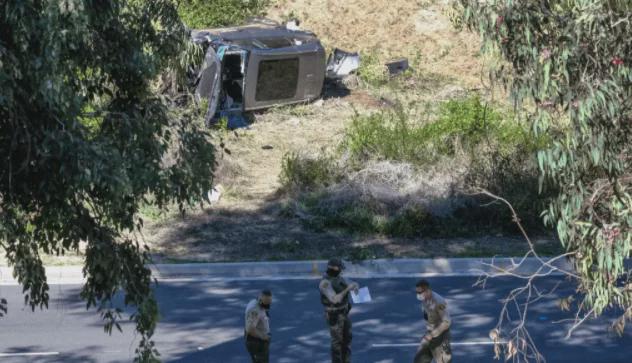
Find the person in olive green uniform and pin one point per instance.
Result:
(436, 342)
(257, 327)
(334, 295)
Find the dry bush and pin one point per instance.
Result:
(398, 176)
(386, 197)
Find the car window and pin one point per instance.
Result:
(277, 79)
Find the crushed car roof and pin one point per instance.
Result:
(256, 37)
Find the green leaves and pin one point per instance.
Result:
(572, 60)
(84, 139)
(198, 14)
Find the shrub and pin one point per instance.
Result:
(385, 135)
(462, 124)
(472, 122)
(199, 14)
(301, 172)
(515, 177)
(354, 217)
(410, 221)
(365, 196)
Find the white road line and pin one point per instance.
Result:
(401, 345)
(31, 354)
(476, 343)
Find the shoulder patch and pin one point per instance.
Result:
(324, 284)
(441, 306)
(252, 317)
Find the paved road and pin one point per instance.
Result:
(202, 322)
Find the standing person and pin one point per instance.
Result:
(257, 329)
(334, 295)
(436, 342)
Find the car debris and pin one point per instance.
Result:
(342, 64)
(258, 66)
(215, 194)
(397, 66)
(293, 24)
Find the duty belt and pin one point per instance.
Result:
(252, 337)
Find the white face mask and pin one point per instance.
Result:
(420, 297)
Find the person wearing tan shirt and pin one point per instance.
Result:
(436, 342)
(257, 327)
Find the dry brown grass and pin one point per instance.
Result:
(250, 172)
(417, 29)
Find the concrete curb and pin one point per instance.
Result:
(54, 275)
(308, 269)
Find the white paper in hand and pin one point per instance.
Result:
(363, 296)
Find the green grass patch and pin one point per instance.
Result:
(461, 125)
(198, 14)
(373, 72)
(152, 213)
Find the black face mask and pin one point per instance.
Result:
(265, 306)
(333, 273)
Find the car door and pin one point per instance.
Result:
(209, 83)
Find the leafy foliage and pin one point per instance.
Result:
(198, 14)
(572, 60)
(84, 140)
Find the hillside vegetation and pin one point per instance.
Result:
(199, 14)
(383, 171)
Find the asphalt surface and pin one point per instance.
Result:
(202, 321)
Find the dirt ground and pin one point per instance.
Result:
(236, 234)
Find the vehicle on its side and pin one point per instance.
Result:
(258, 66)
(255, 67)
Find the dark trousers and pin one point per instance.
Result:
(340, 330)
(437, 348)
(259, 349)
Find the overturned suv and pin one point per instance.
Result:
(258, 66)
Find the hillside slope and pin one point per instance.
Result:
(419, 30)
(250, 221)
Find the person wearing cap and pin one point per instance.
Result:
(436, 342)
(257, 327)
(334, 295)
